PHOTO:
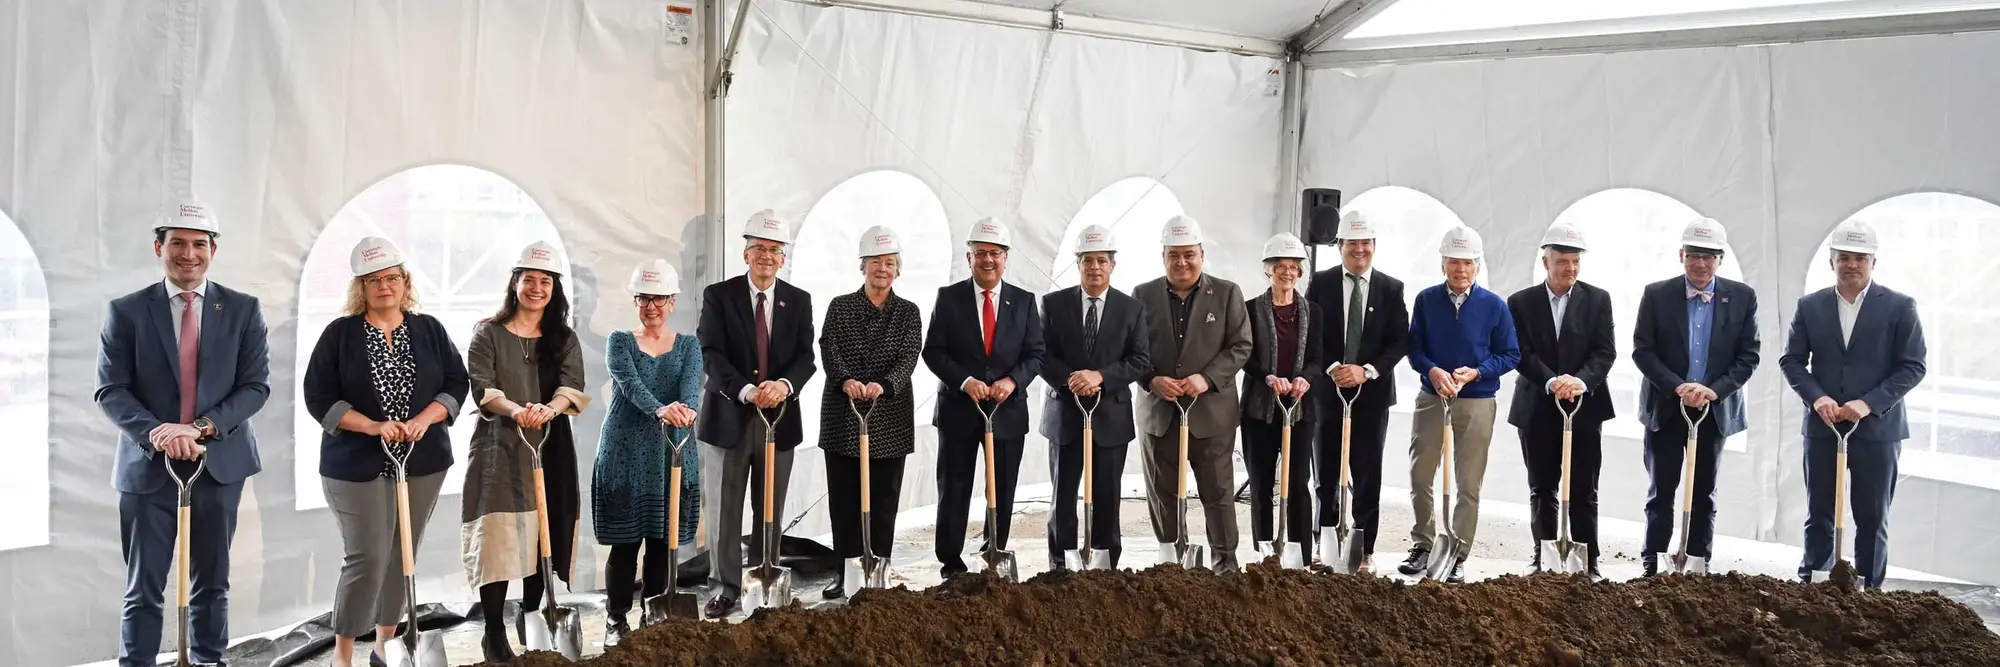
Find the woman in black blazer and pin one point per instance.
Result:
(1285, 350)
(379, 379)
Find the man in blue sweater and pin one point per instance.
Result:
(1461, 342)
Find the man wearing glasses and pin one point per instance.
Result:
(985, 346)
(756, 336)
(1696, 344)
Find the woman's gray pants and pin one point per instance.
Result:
(371, 574)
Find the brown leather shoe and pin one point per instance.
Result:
(720, 606)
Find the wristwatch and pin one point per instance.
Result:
(203, 424)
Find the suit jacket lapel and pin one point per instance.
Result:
(162, 315)
(744, 313)
(212, 331)
(1677, 313)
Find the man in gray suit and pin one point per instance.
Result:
(1200, 333)
(1855, 350)
(181, 367)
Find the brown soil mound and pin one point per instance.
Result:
(1266, 616)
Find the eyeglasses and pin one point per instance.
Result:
(768, 251)
(988, 254)
(392, 280)
(653, 300)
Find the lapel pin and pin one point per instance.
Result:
(1725, 299)
(781, 304)
(1211, 317)
(218, 307)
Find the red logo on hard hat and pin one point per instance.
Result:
(1701, 232)
(650, 276)
(882, 239)
(539, 253)
(1093, 237)
(374, 253)
(192, 211)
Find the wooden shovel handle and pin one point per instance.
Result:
(992, 499)
(1687, 476)
(405, 527)
(1840, 490)
(1180, 470)
(181, 542)
(674, 507)
(865, 502)
(1346, 442)
(1445, 455)
(1285, 465)
(1564, 492)
(542, 513)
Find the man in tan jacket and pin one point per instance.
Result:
(1200, 334)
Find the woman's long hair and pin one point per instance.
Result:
(555, 317)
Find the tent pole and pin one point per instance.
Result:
(714, 116)
(1293, 113)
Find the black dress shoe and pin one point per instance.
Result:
(835, 590)
(720, 606)
(1415, 564)
(1457, 572)
(496, 648)
(375, 660)
(1651, 564)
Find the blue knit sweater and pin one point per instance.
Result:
(1479, 335)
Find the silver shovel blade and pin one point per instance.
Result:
(1292, 556)
(1442, 558)
(1100, 559)
(1353, 551)
(1688, 564)
(1551, 556)
(671, 604)
(1072, 560)
(1002, 563)
(567, 626)
(1191, 556)
(430, 650)
(1265, 549)
(874, 572)
(1576, 559)
(768, 587)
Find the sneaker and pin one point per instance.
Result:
(615, 631)
(1415, 564)
(1457, 572)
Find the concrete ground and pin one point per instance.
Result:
(1504, 546)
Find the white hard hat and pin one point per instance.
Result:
(655, 277)
(767, 225)
(541, 256)
(1355, 226)
(1565, 235)
(1855, 236)
(190, 215)
(1180, 230)
(990, 230)
(1284, 245)
(1462, 242)
(879, 240)
(373, 254)
(1096, 238)
(1705, 233)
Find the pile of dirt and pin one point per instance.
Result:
(1267, 616)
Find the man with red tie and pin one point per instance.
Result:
(985, 346)
(181, 366)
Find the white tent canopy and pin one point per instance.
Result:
(465, 128)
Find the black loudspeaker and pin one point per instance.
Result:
(1319, 215)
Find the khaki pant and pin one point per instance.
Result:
(1472, 433)
(1211, 477)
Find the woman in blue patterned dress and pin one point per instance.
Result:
(656, 386)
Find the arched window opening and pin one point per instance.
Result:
(1134, 209)
(24, 386)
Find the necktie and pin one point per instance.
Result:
(190, 345)
(763, 340)
(1356, 303)
(986, 321)
(1090, 328)
(1704, 294)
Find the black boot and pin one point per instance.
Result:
(1535, 565)
(495, 645)
(838, 588)
(1457, 572)
(1652, 564)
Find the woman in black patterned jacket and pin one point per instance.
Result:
(869, 345)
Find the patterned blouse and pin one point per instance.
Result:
(394, 368)
(859, 341)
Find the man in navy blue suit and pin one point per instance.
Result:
(1696, 343)
(181, 367)
(985, 345)
(1855, 350)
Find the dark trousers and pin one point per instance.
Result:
(961, 478)
(1371, 428)
(843, 495)
(1665, 455)
(1107, 470)
(147, 523)
(1262, 444)
(1871, 484)
(623, 565)
(1541, 449)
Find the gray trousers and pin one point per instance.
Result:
(1472, 435)
(371, 573)
(1213, 478)
(724, 475)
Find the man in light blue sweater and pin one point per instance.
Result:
(1461, 342)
